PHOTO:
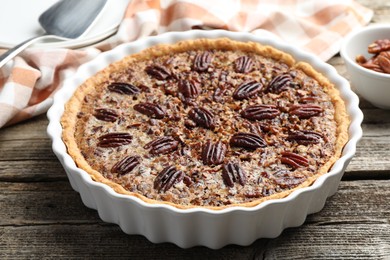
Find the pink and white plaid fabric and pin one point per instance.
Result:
(28, 83)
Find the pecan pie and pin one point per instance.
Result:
(206, 123)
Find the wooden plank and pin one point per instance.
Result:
(309, 242)
(355, 241)
(337, 241)
(97, 242)
(26, 149)
(363, 201)
(34, 128)
(32, 170)
(42, 203)
(372, 154)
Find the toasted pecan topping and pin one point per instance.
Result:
(279, 83)
(126, 165)
(158, 72)
(260, 112)
(150, 109)
(167, 178)
(294, 160)
(202, 61)
(162, 145)
(106, 114)
(123, 88)
(114, 139)
(247, 89)
(188, 88)
(305, 137)
(306, 110)
(213, 153)
(202, 117)
(243, 64)
(231, 173)
(247, 141)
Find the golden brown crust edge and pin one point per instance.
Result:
(72, 107)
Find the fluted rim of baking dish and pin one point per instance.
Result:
(88, 69)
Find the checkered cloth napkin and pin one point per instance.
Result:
(28, 82)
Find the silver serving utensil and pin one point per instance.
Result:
(66, 19)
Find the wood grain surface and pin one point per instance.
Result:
(42, 217)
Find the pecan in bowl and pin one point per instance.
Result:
(366, 54)
(380, 59)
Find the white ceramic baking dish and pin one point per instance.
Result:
(200, 226)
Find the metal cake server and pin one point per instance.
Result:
(66, 19)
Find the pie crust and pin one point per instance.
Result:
(211, 123)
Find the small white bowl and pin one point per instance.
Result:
(371, 85)
(202, 226)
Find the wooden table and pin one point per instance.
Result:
(41, 216)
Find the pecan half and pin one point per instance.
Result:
(260, 112)
(202, 61)
(162, 145)
(305, 137)
(360, 59)
(372, 64)
(247, 89)
(188, 88)
(286, 179)
(279, 83)
(158, 72)
(114, 139)
(247, 140)
(379, 46)
(167, 178)
(126, 165)
(202, 117)
(123, 88)
(243, 64)
(305, 111)
(106, 114)
(384, 61)
(213, 153)
(231, 173)
(150, 109)
(294, 160)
